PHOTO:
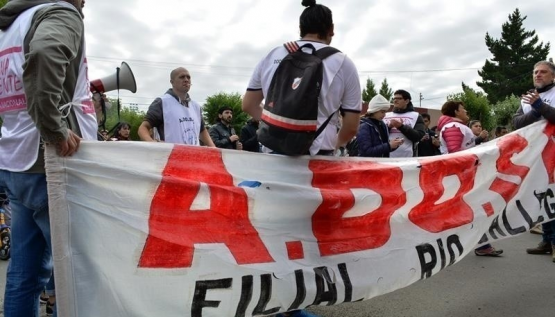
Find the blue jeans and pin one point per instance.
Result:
(50, 289)
(548, 229)
(30, 265)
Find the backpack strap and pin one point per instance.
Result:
(323, 126)
(326, 52)
(322, 53)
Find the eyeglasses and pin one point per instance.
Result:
(398, 98)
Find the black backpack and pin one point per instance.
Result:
(289, 119)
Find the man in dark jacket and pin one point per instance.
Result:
(536, 105)
(248, 138)
(429, 144)
(222, 133)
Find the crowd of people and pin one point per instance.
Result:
(54, 77)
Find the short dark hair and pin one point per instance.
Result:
(499, 128)
(224, 108)
(405, 94)
(315, 19)
(426, 116)
(450, 107)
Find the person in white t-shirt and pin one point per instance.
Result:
(340, 88)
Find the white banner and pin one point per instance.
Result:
(155, 229)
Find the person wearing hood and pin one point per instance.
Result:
(373, 135)
(248, 138)
(45, 101)
(404, 123)
(456, 136)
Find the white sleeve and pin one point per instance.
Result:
(352, 95)
(255, 83)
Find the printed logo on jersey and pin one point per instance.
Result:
(296, 83)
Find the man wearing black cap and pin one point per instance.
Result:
(222, 133)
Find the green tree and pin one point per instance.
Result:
(504, 110)
(508, 73)
(134, 118)
(476, 104)
(385, 90)
(370, 91)
(233, 100)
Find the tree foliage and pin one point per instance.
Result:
(504, 110)
(233, 100)
(3, 3)
(370, 91)
(477, 106)
(385, 90)
(514, 55)
(134, 118)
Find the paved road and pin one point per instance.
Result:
(515, 285)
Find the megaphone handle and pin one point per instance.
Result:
(117, 87)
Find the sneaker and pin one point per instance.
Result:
(537, 229)
(43, 298)
(542, 248)
(49, 309)
(296, 313)
(491, 251)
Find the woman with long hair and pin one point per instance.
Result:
(122, 132)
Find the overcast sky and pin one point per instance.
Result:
(425, 46)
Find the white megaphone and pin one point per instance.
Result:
(122, 79)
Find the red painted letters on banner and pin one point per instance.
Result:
(175, 228)
(453, 212)
(337, 234)
(508, 146)
(548, 154)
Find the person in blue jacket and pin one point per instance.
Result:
(373, 136)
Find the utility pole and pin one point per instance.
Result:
(421, 98)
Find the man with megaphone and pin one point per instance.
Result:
(177, 118)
